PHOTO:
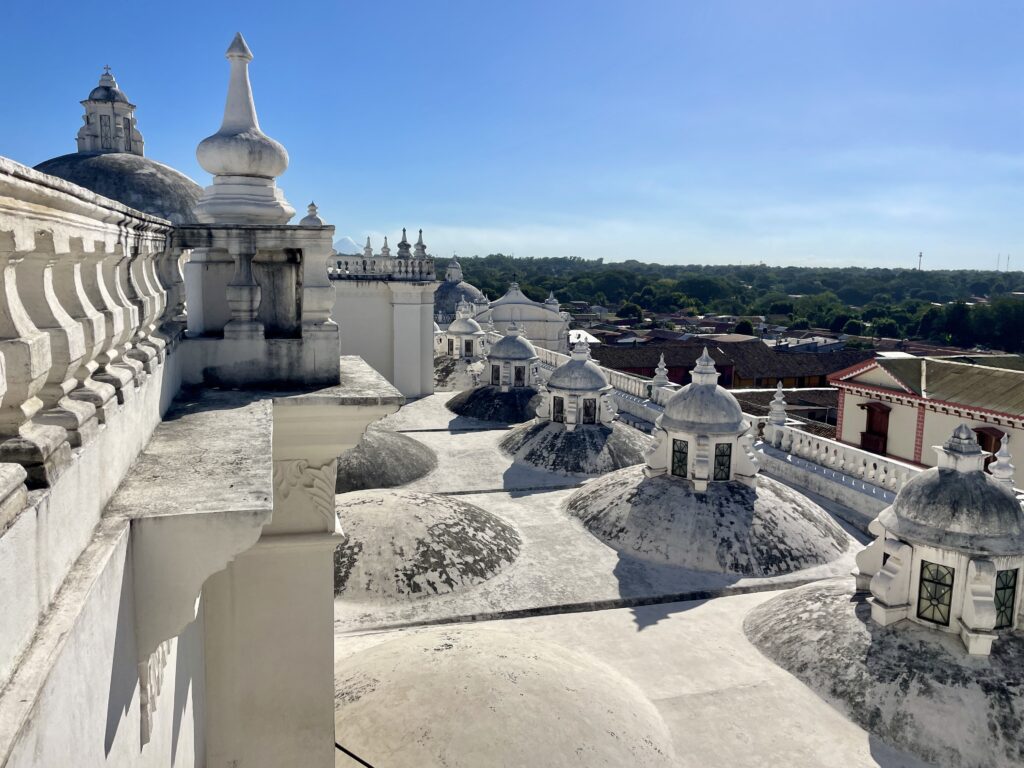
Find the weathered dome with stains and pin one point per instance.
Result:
(579, 373)
(383, 459)
(465, 326)
(767, 530)
(702, 406)
(401, 545)
(590, 449)
(514, 346)
(471, 696)
(134, 180)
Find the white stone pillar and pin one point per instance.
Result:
(270, 615)
(207, 275)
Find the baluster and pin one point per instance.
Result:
(42, 449)
(67, 343)
(243, 295)
(67, 281)
(148, 275)
(138, 293)
(113, 369)
(168, 269)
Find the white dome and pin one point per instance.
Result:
(465, 326)
(512, 347)
(579, 373)
(702, 406)
(957, 505)
(476, 697)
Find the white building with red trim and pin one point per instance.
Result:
(900, 406)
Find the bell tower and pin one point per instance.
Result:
(109, 119)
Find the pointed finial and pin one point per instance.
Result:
(421, 248)
(581, 350)
(704, 372)
(311, 218)
(368, 249)
(106, 69)
(777, 409)
(419, 240)
(385, 251)
(240, 148)
(1001, 468)
(661, 373)
(962, 452)
(238, 49)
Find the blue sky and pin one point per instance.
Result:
(829, 133)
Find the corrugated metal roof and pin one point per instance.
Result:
(966, 381)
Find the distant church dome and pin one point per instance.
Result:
(110, 160)
(454, 290)
(579, 373)
(948, 507)
(465, 325)
(702, 404)
(512, 347)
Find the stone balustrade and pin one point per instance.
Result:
(81, 310)
(381, 268)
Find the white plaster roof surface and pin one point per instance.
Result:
(211, 453)
(512, 347)
(402, 545)
(560, 563)
(723, 702)
(912, 686)
(474, 697)
(967, 511)
(731, 528)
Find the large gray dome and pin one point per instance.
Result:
(134, 180)
(768, 530)
(968, 511)
(512, 347)
(450, 293)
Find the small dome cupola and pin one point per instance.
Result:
(512, 361)
(702, 435)
(950, 549)
(465, 338)
(453, 274)
(109, 120)
(244, 161)
(578, 392)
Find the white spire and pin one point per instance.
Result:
(368, 249)
(385, 252)
(962, 452)
(1001, 468)
(420, 249)
(581, 350)
(777, 409)
(661, 373)
(704, 372)
(312, 218)
(243, 160)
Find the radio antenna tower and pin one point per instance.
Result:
(920, 256)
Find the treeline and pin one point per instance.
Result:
(879, 302)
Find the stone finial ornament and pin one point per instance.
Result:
(385, 251)
(243, 160)
(777, 409)
(420, 250)
(311, 219)
(368, 249)
(661, 373)
(1001, 468)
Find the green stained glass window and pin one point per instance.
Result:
(723, 461)
(680, 454)
(935, 594)
(1006, 598)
